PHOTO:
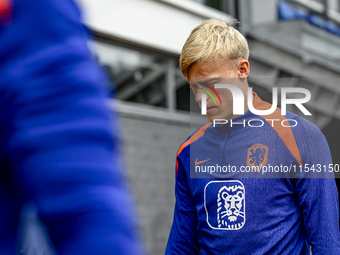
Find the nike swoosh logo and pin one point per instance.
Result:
(200, 162)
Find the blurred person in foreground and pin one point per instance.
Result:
(226, 212)
(56, 145)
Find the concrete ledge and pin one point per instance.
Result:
(199, 9)
(157, 114)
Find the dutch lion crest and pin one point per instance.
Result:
(257, 156)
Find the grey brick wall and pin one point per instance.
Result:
(150, 149)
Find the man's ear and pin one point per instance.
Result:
(243, 69)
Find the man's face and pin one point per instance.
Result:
(206, 74)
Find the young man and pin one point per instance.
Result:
(223, 211)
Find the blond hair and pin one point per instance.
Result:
(211, 40)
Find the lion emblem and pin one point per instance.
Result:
(230, 207)
(257, 156)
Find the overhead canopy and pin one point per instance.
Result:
(163, 25)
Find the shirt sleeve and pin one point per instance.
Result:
(183, 234)
(57, 142)
(317, 195)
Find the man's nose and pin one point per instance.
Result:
(198, 96)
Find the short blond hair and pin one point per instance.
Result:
(211, 40)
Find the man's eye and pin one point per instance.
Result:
(193, 87)
(208, 85)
